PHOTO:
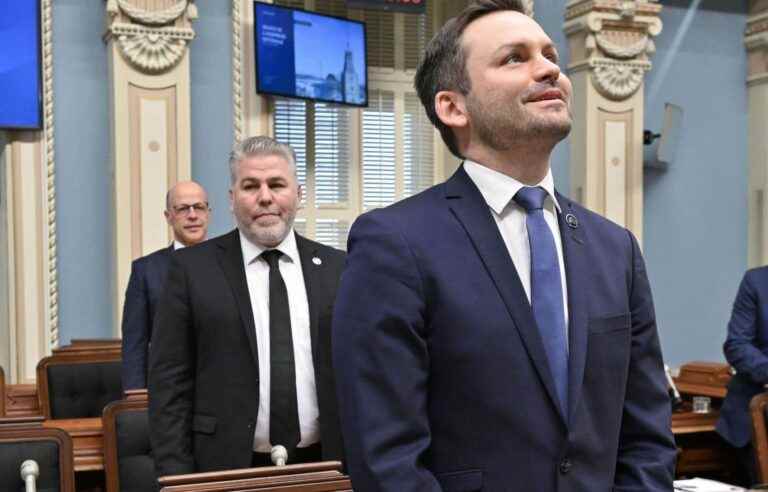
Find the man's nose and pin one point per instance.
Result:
(546, 70)
(265, 195)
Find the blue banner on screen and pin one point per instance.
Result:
(20, 64)
(310, 56)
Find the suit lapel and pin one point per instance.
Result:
(310, 270)
(470, 209)
(230, 256)
(576, 274)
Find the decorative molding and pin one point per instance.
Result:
(153, 18)
(50, 173)
(618, 80)
(145, 38)
(614, 39)
(237, 71)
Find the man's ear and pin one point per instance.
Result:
(299, 195)
(231, 200)
(167, 217)
(451, 108)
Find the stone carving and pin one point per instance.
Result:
(152, 18)
(618, 42)
(153, 41)
(618, 80)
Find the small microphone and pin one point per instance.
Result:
(29, 473)
(677, 400)
(279, 455)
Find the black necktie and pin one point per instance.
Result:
(283, 409)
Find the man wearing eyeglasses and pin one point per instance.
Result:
(187, 213)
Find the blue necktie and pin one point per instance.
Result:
(546, 288)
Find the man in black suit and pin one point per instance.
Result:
(187, 212)
(240, 362)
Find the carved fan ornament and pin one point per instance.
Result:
(150, 43)
(618, 80)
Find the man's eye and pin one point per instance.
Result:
(514, 58)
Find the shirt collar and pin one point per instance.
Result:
(251, 251)
(177, 245)
(498, 189)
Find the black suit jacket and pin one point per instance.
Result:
(145, 287)
(204, 376)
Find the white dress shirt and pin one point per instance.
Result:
(498, 190)
(177, 245)
(257, 275)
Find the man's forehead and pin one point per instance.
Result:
(503, 28)
(182, 192)
(265, 165)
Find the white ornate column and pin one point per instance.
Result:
(250, 111)
(29, 233)
(610, 45)
(756, 40)
(148, 43)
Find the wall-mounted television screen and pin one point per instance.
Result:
(310, 56)
(20, 77)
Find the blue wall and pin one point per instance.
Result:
(83, 170)
(83, 166)
(696, 212)
(212, 130)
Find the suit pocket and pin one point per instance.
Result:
(205, 424)
(461, 481)
(609, 324)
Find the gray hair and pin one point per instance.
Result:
(259, 146)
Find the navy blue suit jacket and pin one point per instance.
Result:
(746, 349)
(442, 377)
(145, 287)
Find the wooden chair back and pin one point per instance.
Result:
(757, 409)
(25, 438)
(139, 466)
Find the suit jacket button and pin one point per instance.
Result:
(565, 466)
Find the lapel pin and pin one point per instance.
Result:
(317, 261)
(572, 221)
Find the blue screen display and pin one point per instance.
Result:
(310, 56)
(20, 105)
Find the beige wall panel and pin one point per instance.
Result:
(154, 172)
(758, 178)
(615, 167)
(30, 311)
(149, 112)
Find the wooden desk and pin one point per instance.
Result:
(87, 441)
(702, 452)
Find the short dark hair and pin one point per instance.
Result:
(444, 66)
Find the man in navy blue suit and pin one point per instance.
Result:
(489, 333)
(746, 349)
(187, 213)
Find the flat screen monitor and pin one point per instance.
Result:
(310, 56)
(20, 74)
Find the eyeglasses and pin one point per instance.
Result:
(185, 210)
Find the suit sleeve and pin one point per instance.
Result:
(171, 377)
(135, 330)
(381, 361)
(740, 346)
(647, 452)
